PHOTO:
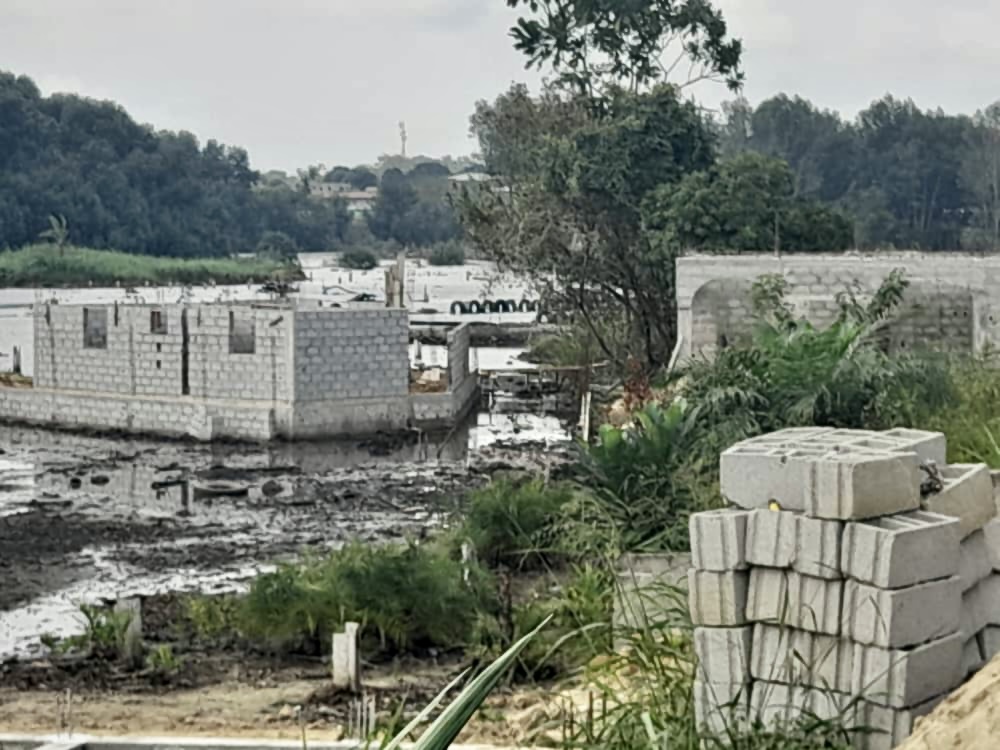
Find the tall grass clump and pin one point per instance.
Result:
(511, 523)
(406, 598)
(44, 265)
(645, 479)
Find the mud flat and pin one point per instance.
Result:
(92, 518)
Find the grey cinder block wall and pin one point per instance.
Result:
(242, 370)
(949, 305)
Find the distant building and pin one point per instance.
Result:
(358, 201)
(248, 370)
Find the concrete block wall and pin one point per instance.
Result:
(351, 354)
(133, 360)
(217, 373)
(948, 305)
(860, 600)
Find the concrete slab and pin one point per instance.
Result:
(901, 550)
(992, 533)
(899, 618)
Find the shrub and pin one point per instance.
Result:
(409, 597)
(447, 254)
(509, 523)
(277, 246)
(358, 259)
(644, 482)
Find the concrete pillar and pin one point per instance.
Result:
(345, 662)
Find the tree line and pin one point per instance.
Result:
(904, 177)
(121, 185)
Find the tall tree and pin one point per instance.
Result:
(981, 177)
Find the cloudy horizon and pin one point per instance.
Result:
(297, 82)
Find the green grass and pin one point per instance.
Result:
(44, 265)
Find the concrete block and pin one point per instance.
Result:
(899, 618)
(973, 658)
(345, 664)
(989, 599)
(967, 496)
(817, 547)
(717, 599)
(718, 539)
(989, 641)
(886, 727)
(767, 596)
(720, 707)
(774, 704)
(814, 603)
(929, 446)
(904, 678)
(991, 531)
(974, 615)
(771, 538)
(723, 654)
(901, 550)
(850, 486)
(796, 657)
(974, 560)
(751, 476)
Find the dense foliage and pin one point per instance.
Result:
(123, 185)
(46, 265)
(907, 178)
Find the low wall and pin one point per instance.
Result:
(204, 419)
(171, 417)
(949, 305)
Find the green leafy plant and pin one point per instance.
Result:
(511, 523)
(405, 597)
(163, 660)
(213, 616)
(443, 731)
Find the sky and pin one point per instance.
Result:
(300, 82)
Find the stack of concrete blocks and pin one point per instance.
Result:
(832, 590)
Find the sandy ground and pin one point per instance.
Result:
(968, 719)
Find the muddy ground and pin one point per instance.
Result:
(86, 518)
(91, 518)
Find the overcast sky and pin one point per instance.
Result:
(305, 81)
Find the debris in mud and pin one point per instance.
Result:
(100, 479)
(271, 488)
(220, 488)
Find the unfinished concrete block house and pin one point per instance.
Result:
(258, 371)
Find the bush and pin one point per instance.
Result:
(645, 483)
(409, 597)
(277, 246)
(359, 259)
(447, 254)
(510, 523)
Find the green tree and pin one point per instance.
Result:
(641, 42)
(747, 203)
(981, 177)
(58, 233)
